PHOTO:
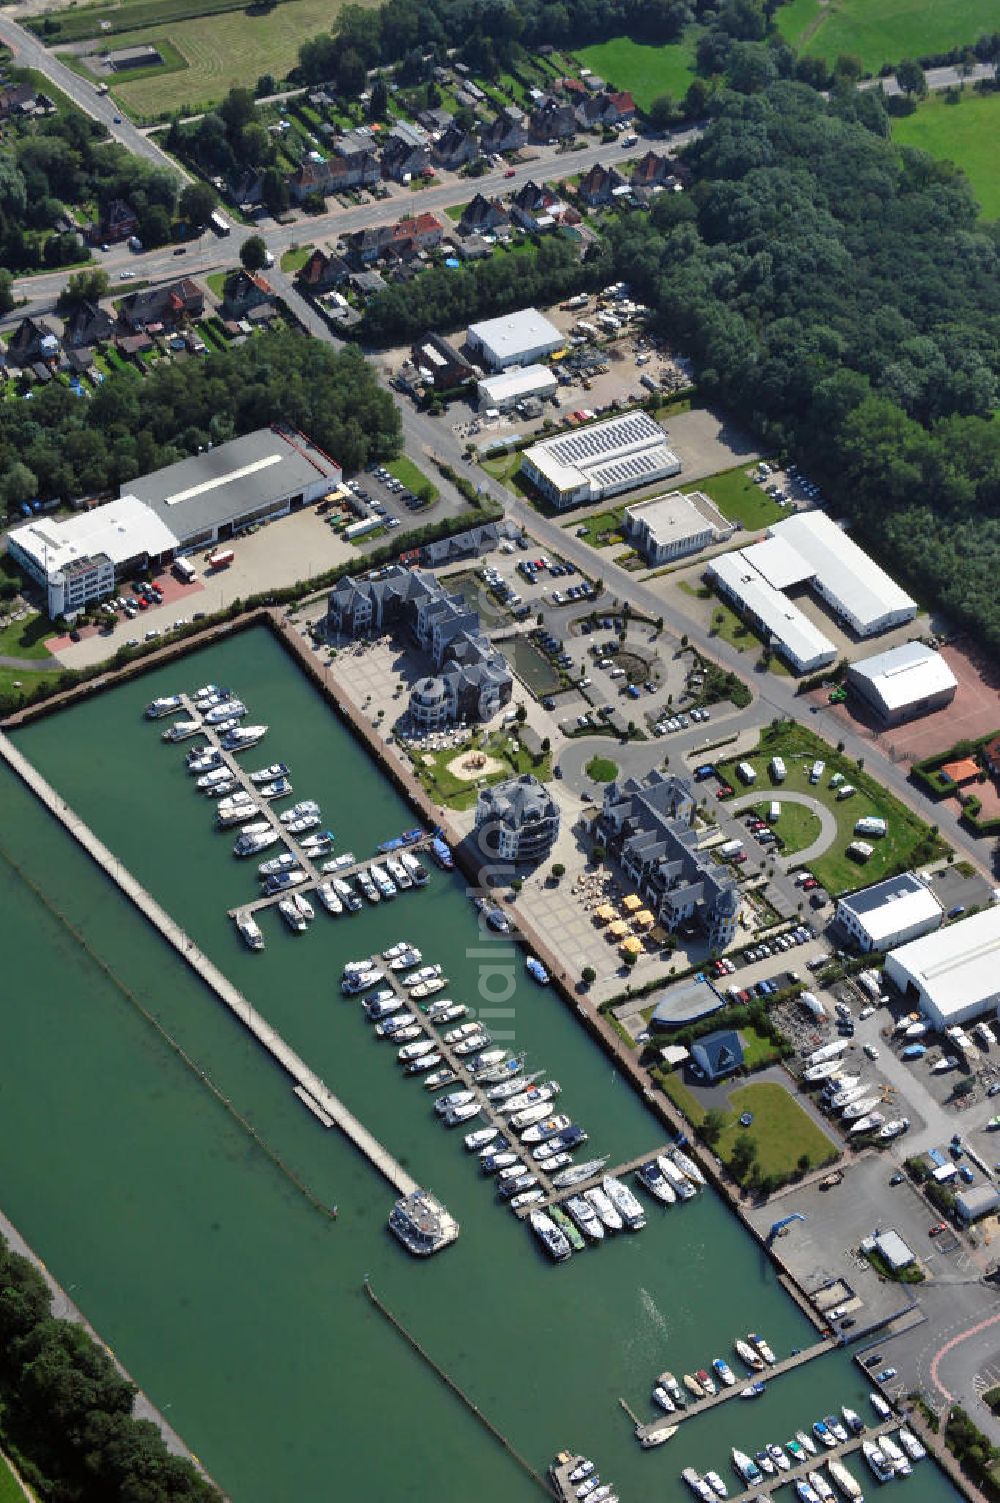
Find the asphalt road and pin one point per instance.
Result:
(29, 52)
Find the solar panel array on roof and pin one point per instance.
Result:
(589, 443)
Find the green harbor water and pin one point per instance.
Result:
(233, 1301)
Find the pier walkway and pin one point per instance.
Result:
(556, 1197)
(771, 1485)
(252, 1020)
(701, 1406)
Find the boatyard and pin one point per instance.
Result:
(644, 1297)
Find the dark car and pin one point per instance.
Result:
(181, 250)
(74, 635)
(871, 1362)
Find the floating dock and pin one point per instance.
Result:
(770, 1485)
(315, 1088)
(701, 1406)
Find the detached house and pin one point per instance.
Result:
(601, 184)
(535, 207)
(552, 121)
(483, 216)
(405, 152)
(454, 148)
(322, 273)
(118, 222)
(246, 291)
(652, 171)
(163, 305)
(33, 340)
(87, 325)
(604, 109)
(508, 132)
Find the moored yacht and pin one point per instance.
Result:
(241, 737)
(398, 874)
(876, 1459)
(291, 915)
(417, 872)
(268, 774)
(279, 788)
(250, 931)
(548, 1127)
(586, 1218)
(249, 845)
(604, 1207)
(746, 1467)
(914, 1448)
(821, 1487)
(749, 1355)
(552, 1238)
(687, 1166)
(229, 709)
(806, 1441)
(282, 882)
(895, 1456)
(625, 1203)
(202, 759)
(346, 894)
(331, 902)
(166, 705)
(762, 1347)
(682, 1185)
(181, 730)
(386, 886)
(578, 1174)
(422, 1223)
(723, 1372)
(652, 1178)
(423, 973)
(845, 1481)
(286, 862)
(304, 906)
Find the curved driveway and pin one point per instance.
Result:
(827, 834)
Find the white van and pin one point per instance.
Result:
(816, 771)
(746, 773)
(774, 813)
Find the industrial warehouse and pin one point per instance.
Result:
(601, 460)
(671, 526)
(191, 504)
(516, 339)
(890, 913)
(810, 550)
(904, 682)
(952, 975)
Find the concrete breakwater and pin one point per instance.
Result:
(252, 1020)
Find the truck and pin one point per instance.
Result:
(219, 223)
(185, 570)
(220, 559)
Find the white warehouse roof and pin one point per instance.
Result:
(621, 453)
(905, 675)
(792, 631)
(889, 908)
(123, 529)
(515, 334)
(512, 385)
(956, 969)
(779, 563)
(842, 572)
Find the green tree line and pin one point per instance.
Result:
(58, 446)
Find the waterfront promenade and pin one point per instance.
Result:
(210, 974)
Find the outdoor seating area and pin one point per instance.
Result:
(629, 925)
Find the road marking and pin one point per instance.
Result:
(949, 1345)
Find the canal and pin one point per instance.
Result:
(235, 1303)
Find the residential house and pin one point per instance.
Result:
(356, 167)
(648, 826)
(652, 171)
(133, 346)
(163, 305)
(244, 190)
(367, 284)
(246, 291)
(600, 184)
(483, 216)
(422, 231)
(405, 152)
(402, 240)
(440, 364)
(573, 88)
(33, 340)
(435, 120)
(605, 109)
(87, 325)
(118, 222)
(508, 132)
(17, 99)
(552, 121)
(322, 273)
(365, 247)
(716, 1055)
(454, 148)
(535, 207)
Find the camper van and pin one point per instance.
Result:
(778, 769)
(774, 812)
(816, 771)
(745, 772)
(845, 790)
(870, 825)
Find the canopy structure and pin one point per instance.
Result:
(631, 946)
(632, 903)
(605, 914)
(645, 919)
(618, 929)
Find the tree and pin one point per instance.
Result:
(87, 286)
(588, 975)
(911, 78)
(712, 1126)
(253, 252)
(378, 106)
(17, 484)
(274, 191)
(6, 290)
(558, 870)
(196, 203)
(743, 1156)
(521, 714)
(662, 112)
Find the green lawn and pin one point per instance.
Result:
(883, 31)
(222, 51)
(75, 25)
(413, 478)
(780, 1128)
(797, 825)
(9, 1490)
(730, 628)
(296, 257)
(171, 61)
(460, 793)
(739, 499)
(967, 133)
(26, 639)
(21, 681)
(837, 872)
(602, 529)
(601, 769)
(644, 69)
(217, 282)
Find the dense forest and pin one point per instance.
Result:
(839, 295)
(66, 1412)
(56, 163)
(448, 298)
(56, 445)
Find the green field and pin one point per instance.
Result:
(601, 769)
(781, 1130)
(883, 31)
(413, 478)
(9, 1490)
(834, 869)
(797, 825)
(26, 639)
(76, 24)
(645, 70)
(172, 61)
(221, 51)
(739, 499)
(967, 133)
(296, 257)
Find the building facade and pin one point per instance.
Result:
(517, 820)
(889, 913)
(672, 526)
(905, 682)
(953, 975)
(648, 826)
(604, 459)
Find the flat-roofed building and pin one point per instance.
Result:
(890, 913)
(515, 339)
(953, 975)
(211, 496)
(604, 459)
(786, 628)
(674, 525)
(904, 682)
(78, 560)
(517, 385)
(853, 585)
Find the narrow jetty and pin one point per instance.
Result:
(556, 1197)
(457, 1063)
(345, 873)
(770, 1485)
(311, 1083)
(701, 1406)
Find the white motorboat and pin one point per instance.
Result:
(717, 1485)
(241, 737)
(845, 1481)
(227, 815)
(687, 1166)
(895, 1455)
(417, 872)
(220, 774)
(303, 823)
(532, 1095)
(279, 788)
(609, 1215)
(384, 883)
(820, 1487)
(747, 1468)
(806, 1441)
(578, 1174)
(202, 759)
(865, 1124)
(662, 1398)
(406, 961)
(682, 1185)
(464, 1031)
(304, 906)
(860, 1108)
(494, 1161)
(585, 1217)
(415, 1050)
(481, 1138)
(398, 873)
(698, 1486)
(552, 1237)
(181, 730)
(525, 1198)
(250, 931)
(460, 1114)
(229, 709)
(877, 1460)
(779, 1456)
(268, 774)
(331, 902)
(359, 982)
(282, 881)
(210, 691)
(252, 845)
(762, 1347)
(425, 973)
(652, 1178)
(291, 915)
(346, 894)
(529, 1115)
(166, 705)
(221, 789)
(304, 806)
(624, 1202)
(893, 1129)
(401, 947)
(472, 1042)
(407, 1029)
(368, 888)
(914, 1448)
(392, 1028)
(339, 863)
(450, 1011)
(548, 1127)
(749, 1355)
(508, 1088)
(444, 1104)
(286, 862)
(428, 988)
(381, 1004)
